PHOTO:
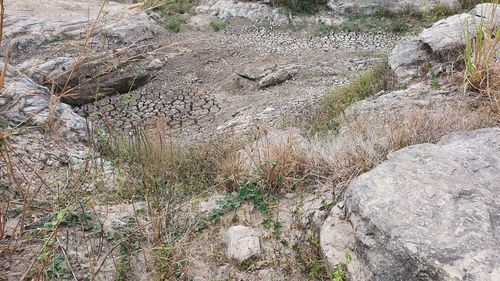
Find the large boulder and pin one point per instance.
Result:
(440, 43)
(429, 212)
(406, 59)
(24, 101)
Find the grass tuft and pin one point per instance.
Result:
(480, 56)
(218, 25)
(366, 84)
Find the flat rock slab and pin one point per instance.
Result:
(431, 211)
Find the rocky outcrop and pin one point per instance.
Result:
(80, 50)
(440, 42)
(23, 101)
(225, 9)
(371, 6)
(429, 212)
(242, 243)
(80, 80)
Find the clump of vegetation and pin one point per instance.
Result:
(482, 71)
(173, 23)
(300, 7)
(218, 25)
(407, 21)
(171, 11)
(469, 4)
(366, 84)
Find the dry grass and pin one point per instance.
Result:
(5, 62)
(481, 60)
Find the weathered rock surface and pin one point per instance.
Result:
(407, 57)
(81, 80)
(22, 100)
(242, 243)
(225, 9)
(30, 24)
(449, 34)
(397, 106)
(440, 42)
(79, 49)
(430, 212)
(370, 6)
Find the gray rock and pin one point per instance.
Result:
(210, 204)
(406, 59)
(200, 22)
(277, 77)
(69, 19)
(242, 243)
(83, 80)
(225, 9)
(337, 244)
(431, 211)
(396, 106)
(23, 100)
(449, 34)
(490, 12)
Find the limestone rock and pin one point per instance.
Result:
(490, 13)
(337, 244)
(70, 19)
(449, 34)
(83, 80)
(431, 211)
(210, 204)
(23, 100)
(225, 9)
(242, 243)
(406, 59)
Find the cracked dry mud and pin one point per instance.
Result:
(246, 73)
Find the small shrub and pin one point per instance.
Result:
(218, 25)
(173, 23)
(299, 7)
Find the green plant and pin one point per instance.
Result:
(469, 4)
(323, 29)
(316, 269)
(480, 51)
(480, 58)
(249, 192)
(366, 84)
(173, 23)
(128, 100)
(298, 7)
(59, 270)
(434, 81)
(338, 274)
(218, 25)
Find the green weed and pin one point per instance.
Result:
(301, 7)
(366, 84)
(173, 23)
(218, 25)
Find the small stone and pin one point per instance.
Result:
(242, 243)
